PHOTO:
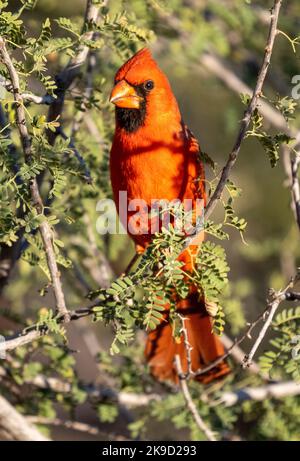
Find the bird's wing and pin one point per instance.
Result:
(193, 144)
(193, 148)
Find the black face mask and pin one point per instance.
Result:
(132, 119)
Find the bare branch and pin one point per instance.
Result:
(34, 332)
(30, 97)
(95, 392)
(15, 426)
(191, 405)
(276, 298)
(75, 426)
(270, 391)
(87, 173)
(188, 348)
(216, 66)
(66, 77)
(235, 344)
(238, 355)
(214, 199)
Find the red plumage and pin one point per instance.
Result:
(155, 156)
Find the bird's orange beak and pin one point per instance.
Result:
(124, 95)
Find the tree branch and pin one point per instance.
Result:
(190, 404)
(188, 348)
(30, 97)
(75, 426)
(276, 298)
(275, 391)
(249, 112)
(66, 77)
(87, 173)
(44, 227)
(15, 426)
(134, 400)
(216, 66)
(35, 332)
(214, 199)
(285, 296)
(238, 355)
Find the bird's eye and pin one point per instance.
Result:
(149, 85)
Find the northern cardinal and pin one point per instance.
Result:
(155, 156)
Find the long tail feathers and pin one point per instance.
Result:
(161, 346)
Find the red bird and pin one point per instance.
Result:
(155, 156)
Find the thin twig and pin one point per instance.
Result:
(66, 77)
(191, 405)
(219, 69)
(188, 348)
(276, 298)
(98, 264)
(235, 343)
(131, 263)
(246, 119)
(34, 332)
(30, 97)
(81, 161)
(287, 296)
(249, 112)
(238, 355)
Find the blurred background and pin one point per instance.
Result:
(235, 32)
